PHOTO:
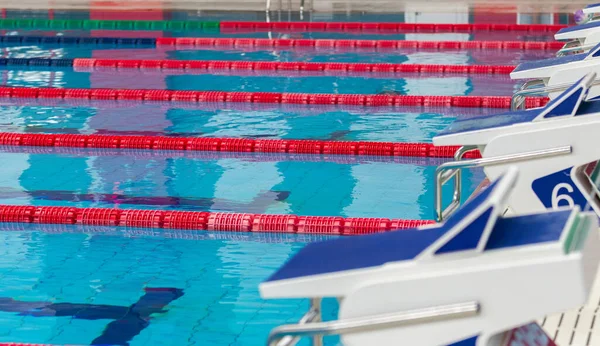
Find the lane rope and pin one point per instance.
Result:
(328, 67)
(242, 145)
(219, 155)
(223, 42)
(84, 64)
(362, 100)
(237, 26)
(204, 221)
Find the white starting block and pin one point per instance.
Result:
(554, 75)
(581, 38)
(554, 147)
(468, 281)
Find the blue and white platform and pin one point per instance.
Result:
(554, 73)
(554, 148)
(513, 269)
(581, 38)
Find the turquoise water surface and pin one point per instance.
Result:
(102, 285)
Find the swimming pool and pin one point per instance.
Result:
(106, 285)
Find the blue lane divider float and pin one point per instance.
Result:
(42, 62)
(114, 41)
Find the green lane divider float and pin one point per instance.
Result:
(67, 24)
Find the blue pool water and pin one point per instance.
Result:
(102, 285)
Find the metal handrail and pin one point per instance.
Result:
(518, 99)
(574, 50)
(312, 316)
(446, 171)
(376, 322)
(571, 46)
(443, 179)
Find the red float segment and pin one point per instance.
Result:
(142, 218)
(184, 96)
(204, 144)
(230, 222)
(100, 141)
(55, 215)
(379, 100)
(297, 146)
(170, 143)
(211, 96)
(271, 146)
(275, 223)
(71, 141)
(101, 94)
(321, 225)
(340, 148)
(407, 224)
(448, 151)
(11, 139)
(376, 148)
(98, 216)
(238, 145)
(73, 93)
(52, 93)
(408, 100)
(24, 92)
(186, 220)
(138, 142)
(17, 213)
(359, 225)
(467, 101)
(235, 26)
(37, 140)
(413, 149)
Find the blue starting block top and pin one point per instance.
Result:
(368, 251)
(570, 102)
(581, 26)
(561, 60)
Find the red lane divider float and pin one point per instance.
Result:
(204, 221)
(266, 97)
(244, 145)
(301, 109)
(289, 66)
(219, 155)
(354, 44)
(237, 26)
